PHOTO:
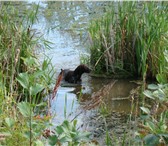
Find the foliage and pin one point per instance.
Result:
(22, 78)
(130, 39)
(155, 123)
(68, 133)
(154, 128)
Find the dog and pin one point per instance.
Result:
(75, 76)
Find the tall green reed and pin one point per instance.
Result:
(130, 39)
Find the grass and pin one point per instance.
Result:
(130, 39)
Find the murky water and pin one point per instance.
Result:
(65, 25)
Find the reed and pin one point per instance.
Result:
(130, 39)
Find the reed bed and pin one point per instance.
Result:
(130, 39)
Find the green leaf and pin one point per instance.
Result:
(148, 94)
(36, 89)
(30, 61)
(160, 95)
(27, 134)
(151, 140)
(164, 134)
(44, 65)
(37, 74)
(146, 110)
(166, 55)
(23, 79)
(74, 123)
(42, 104)
(38, 143)
(59, 130)
(10, 122)
(83, 136)
(66, 138)
(151, 125)
(25, 109)
(53, 140)
(152, 86)
(161, 78)
(66, 125)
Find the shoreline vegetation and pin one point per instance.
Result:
(131, 40)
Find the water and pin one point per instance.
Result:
(65, 25)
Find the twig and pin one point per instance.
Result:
(57, 83)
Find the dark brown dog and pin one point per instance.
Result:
(75, 76)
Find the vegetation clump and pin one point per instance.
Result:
(130, 40)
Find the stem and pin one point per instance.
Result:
(30, 123)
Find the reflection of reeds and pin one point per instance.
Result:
(96, 98)
(131, 38)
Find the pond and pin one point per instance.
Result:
(65, 25)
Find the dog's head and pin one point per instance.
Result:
(82, 69)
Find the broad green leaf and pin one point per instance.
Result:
(83, 136)
(23, 79)
(41, 104)
(152, 86)
(148, 94)
(159, 94)
(151, 125)
(10, 122)
(66, 138)
(151, 140)
(38, 143)
(37, 74)
(53, 140)
(73, 134)
(146, 110)
(59, 130)
(25, 109)
(36, 89)
(29, 61)
(164, 134)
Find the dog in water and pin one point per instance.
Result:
(75, 76)
(70, 76)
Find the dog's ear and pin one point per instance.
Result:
(62, 71)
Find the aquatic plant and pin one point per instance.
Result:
(130, 39)
(68, 133)
(153, 129)
(154, 124)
